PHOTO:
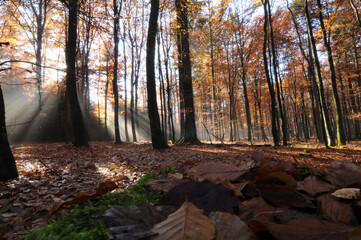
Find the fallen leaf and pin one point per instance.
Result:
(102, 189)
(235, 187)
(219, 171)
(176, 176)
(229, 226)
(302, 229)
(356, 234)
(164, 184)
(347, 193)
(206, 195)
(129, 222)
(314, 185)
(266, 166)
(279, 178)
(285, 197)
(255, 209)
(335, 210)
(187, 223)
(342, 173)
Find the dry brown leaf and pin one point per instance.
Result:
(102, 189)
(356, 234)
(176, 176)
(187, 223)
(314, 185)
(342, 173)
(222, 171)
(256, 209)
(235, 187)
(206, 195)
(335, 210)
(302, 229)
(230, 227)
(164, 184)
(285, 197)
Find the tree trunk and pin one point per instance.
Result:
(80, 137)
(185, 71)
(357, 14)
(321, 93)
(158, 140)
(8, 168)
(341, 138)
(125, 88)
(115, 71)
(270, 85)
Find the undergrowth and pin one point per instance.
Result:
(83, 221)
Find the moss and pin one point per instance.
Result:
(83, 221)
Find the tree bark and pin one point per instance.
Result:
(80, 137)
(341, 138)
(185, 71)
(323, 105)
(158, 140)
(270, 85)
(8, 168)
(115, 71)
(275, 67)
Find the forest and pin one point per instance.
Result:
(107, 104)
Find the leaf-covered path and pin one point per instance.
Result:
(53, 173)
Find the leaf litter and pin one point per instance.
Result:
(53, 175)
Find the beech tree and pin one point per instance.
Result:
(158, 139)
(8, 168)
(80, 137)
(185, 72)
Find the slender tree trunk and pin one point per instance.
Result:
(275, 67)
(106, 99)
(321, 93)
(341, 138)
(169, 94)
(357, 14)
(115, 71)
(270, 85)
(125, 88)
(80, 137)
(158, 140)
(246, 102)
(39, 45)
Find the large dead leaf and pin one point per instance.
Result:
(206, 195)
(229, 226)
(221, 171)
(256, 209)
(314, 185)
(236, 187)
(285, 197)
(302, 229)
(280, 177)
(266, 166)
(131, 222)
(342, 173)
(187, 223)
(335, 210)
(102, 189)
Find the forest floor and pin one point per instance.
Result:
(54, 173)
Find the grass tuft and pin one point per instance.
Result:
(83, 221)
